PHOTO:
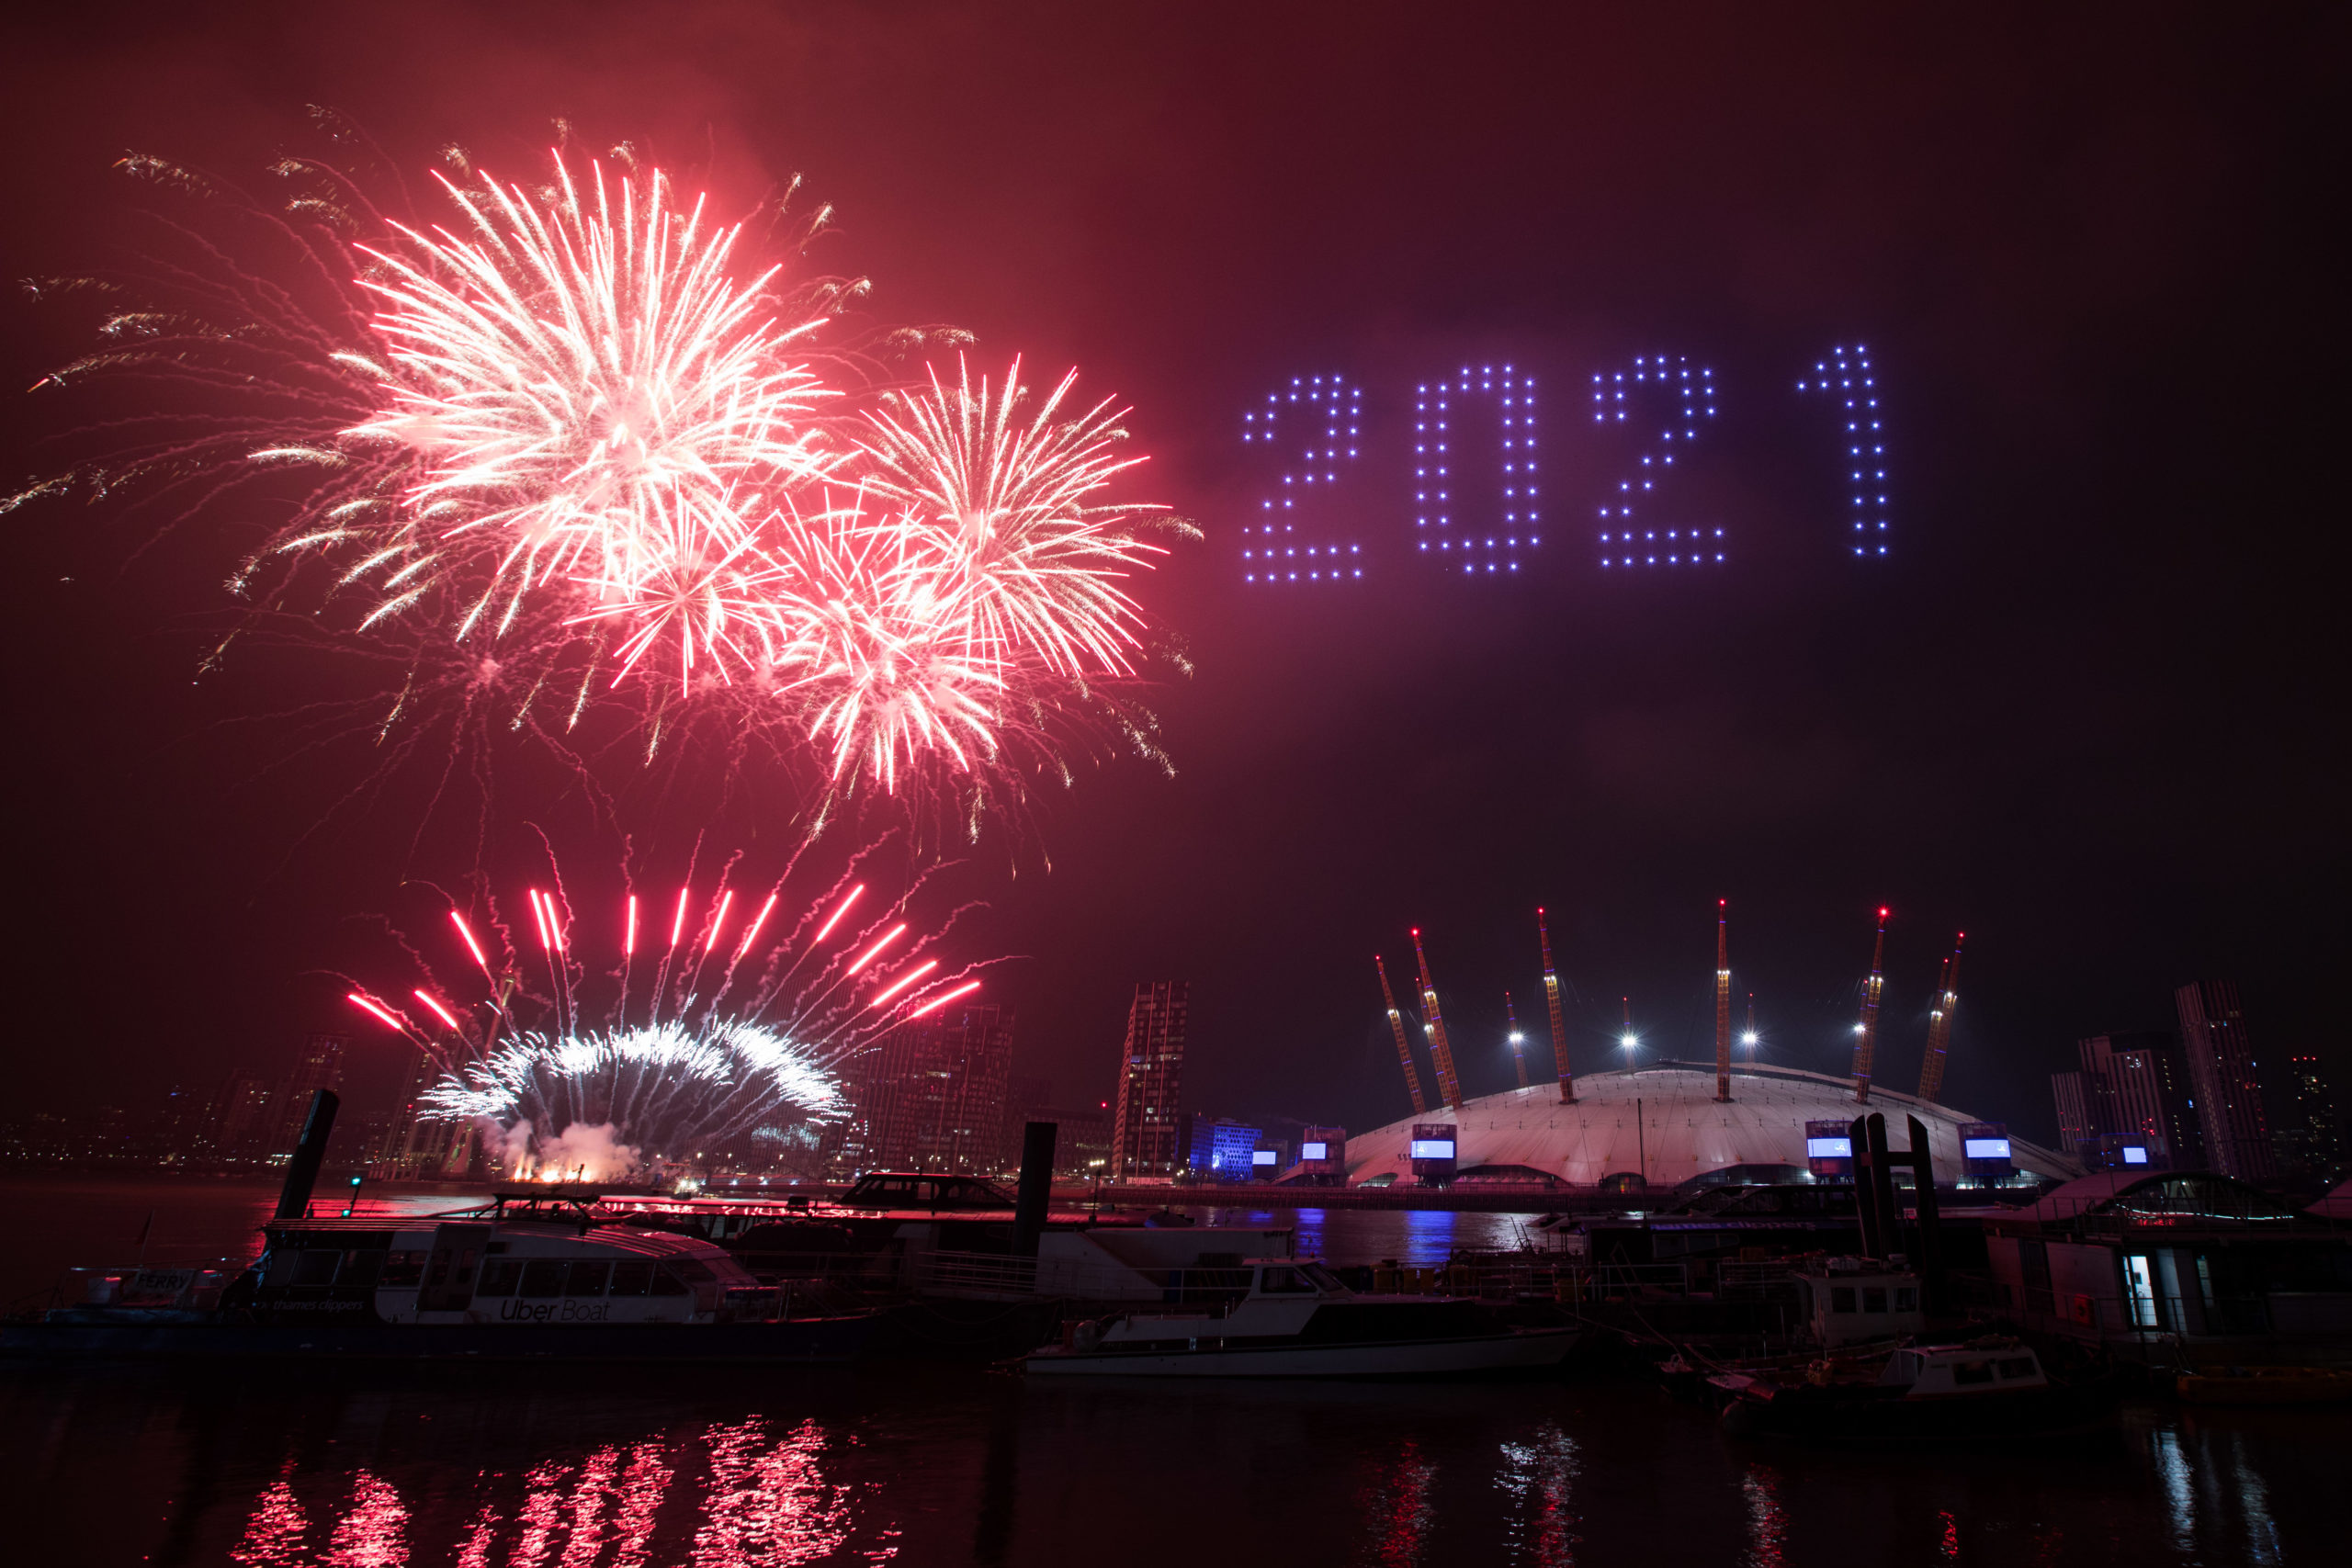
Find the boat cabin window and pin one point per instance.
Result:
(587, 1277)
(543, 1276)
(359, 1269)
(1970, 1372)
(668, 1284)
(1323, 1277)
(632, 1277)
(1841, 1298)
(499, 1277)
(1906, 1298)
(2017, 1367)
(403, 1268)
(1285, 1282)
(1875, 1298)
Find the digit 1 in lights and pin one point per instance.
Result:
(1846, 376)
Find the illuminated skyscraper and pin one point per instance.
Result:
(319, 1066)
(2318, 1130)
(931, 1094)
(1147, 1133)
(2224, 1079)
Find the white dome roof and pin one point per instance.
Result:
(1683, 1133)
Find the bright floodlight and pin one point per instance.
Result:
(1628, 1041)
(1748, 1038)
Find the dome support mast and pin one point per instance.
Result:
(1723, 1001)
(1866, 1031)
(1404, 1051)
(1931, 1069)
(1449, 1087)
(1552, 999)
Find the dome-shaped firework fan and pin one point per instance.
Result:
(566, 455)
(719, 1021)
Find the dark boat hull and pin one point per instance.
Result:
(828, 1341)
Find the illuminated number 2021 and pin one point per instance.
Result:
(1310, 432)
(1630, 535)
(1846, 375)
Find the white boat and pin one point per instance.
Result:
(1299, 1321)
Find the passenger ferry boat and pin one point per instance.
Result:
(528, 1275)
(1299, 1321)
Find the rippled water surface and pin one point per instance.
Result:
(290, 1464)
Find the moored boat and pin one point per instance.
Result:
(1987, 1388)
(2265, 1385)
(522, 1278)
(1299, 1321)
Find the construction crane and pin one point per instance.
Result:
(1404, 1051)
(1449, 1087)
(1560, 1034)
(1931, 1069)
(1518, 1042)
(1723, 1000)
(1866, 1032)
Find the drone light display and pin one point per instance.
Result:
(1479, 512)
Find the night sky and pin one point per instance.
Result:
(2083, 708)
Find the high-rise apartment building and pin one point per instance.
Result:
(2144, 1093)
(319, 1066)
(2130, 1088)
(2318, 1129)
(1147, 1131)
(2224, 1079)
(240, 1117)
(931, 1093)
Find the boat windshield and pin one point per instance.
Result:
(1322, 1278)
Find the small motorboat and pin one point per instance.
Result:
(2265, 1385)
(1984, 1389)
(1297, 1320)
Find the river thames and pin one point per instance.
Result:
(288, 1464)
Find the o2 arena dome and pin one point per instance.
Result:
(1681, 1132)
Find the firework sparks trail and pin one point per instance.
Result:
(570, 442)
(680, 1069)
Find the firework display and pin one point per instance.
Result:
(573, 443)
(684, 1031)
